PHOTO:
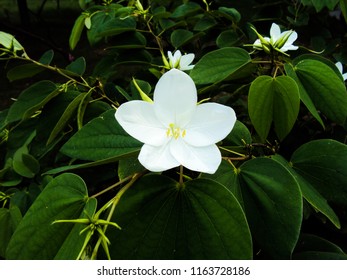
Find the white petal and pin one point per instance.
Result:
(139, 120)
(210, 124)
(186, 60)
(339, 66)
(292, 38)
(175, 98)
(275, 32)
(157, 159)
(202, 159)
(344, 76)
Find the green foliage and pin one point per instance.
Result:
(160, 220)
(70, 178)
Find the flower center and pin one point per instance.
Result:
(175, 132)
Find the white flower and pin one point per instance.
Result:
(174, 129)
(179, 61)
(340, 67)
(280, 41)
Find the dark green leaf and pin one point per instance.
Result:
(227, 38)
(239, 136)
(230, 13)
(181, 37)
(324, 87)
(76, 31)
(273, 100)
(73, 243)
(100, 139)
(47, 57)
(25, 164)
(160, 220)
(273, 205)
(185, 10)
(31, 100)
(312, 196)
(322, 163)
(78, 66)
(36, 237)
(9, 219)
(24, 71)
(218, 65)
(304, 97)
(66, 115)
(132, 41)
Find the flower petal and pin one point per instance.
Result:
(139, 120)
(275, 33)
(157, 159)
(210, 124)
(202, 159)
(292, 38)
(339, 66)
(175, 98)
(186, 60)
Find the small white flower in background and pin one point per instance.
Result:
(179, 61)
(176, 130)
(340, 67)
(280, 41)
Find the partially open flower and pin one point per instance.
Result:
(279, 41)
(176, 130)
(179, 61)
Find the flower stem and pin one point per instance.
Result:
(114, 202)
(181, 175)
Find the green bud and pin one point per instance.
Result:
(280, 42)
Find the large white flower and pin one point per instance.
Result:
(174, 129)
(281, 41)
(179, 61)
(340, 67)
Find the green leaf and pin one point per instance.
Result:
(35, 237)
(76, 31)
(324, 87)
(133, 40)
(116, 26)
(181, 37)
(78, 66)
(160, 220)
(73, 243)
(320, 4)
(227, 175)
(311, 195)
(218, 65)
(128, 167)
(343, 7)
(47, 57)
(66, 115)
(25, 164)
(205, 23)
(9, 219)
(273, 206)
(273, 100)
(31, 100)
(227, 38)
(185, 10)
(230, 13)
(238, 136)
(24, 71)
(9, 42)
(322, 163)
(304, 97)
(101, 138)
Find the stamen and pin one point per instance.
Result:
(174, 131)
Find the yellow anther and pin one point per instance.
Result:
(174, 131)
